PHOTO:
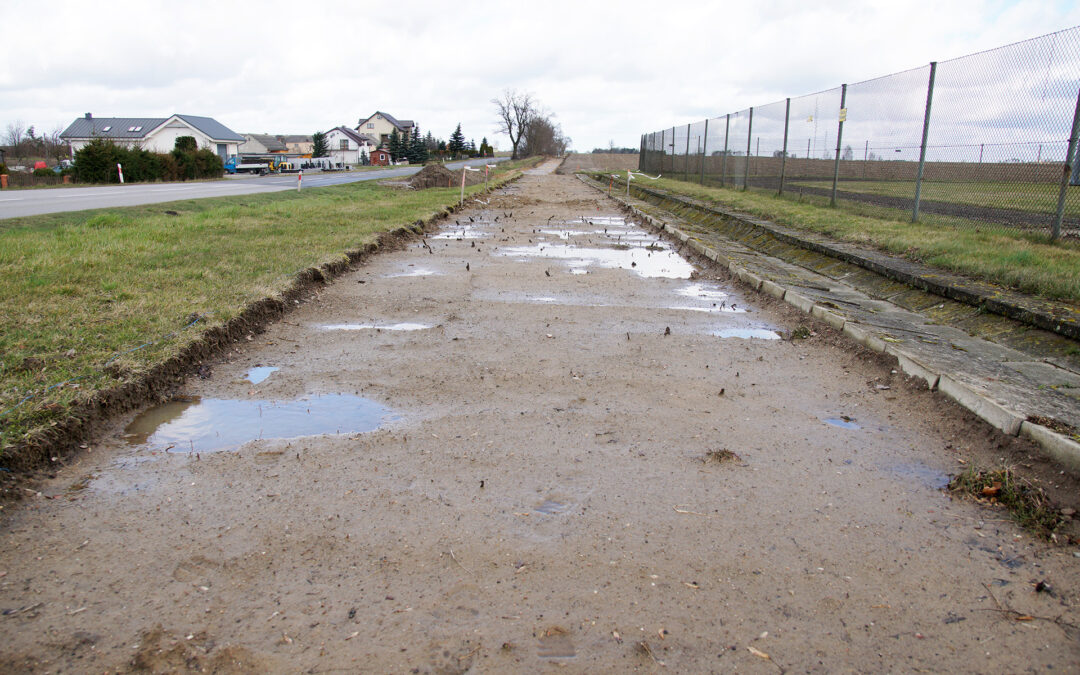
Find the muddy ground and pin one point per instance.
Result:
(531, 477)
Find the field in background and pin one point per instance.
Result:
(599, 161)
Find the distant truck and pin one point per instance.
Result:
(260, 164)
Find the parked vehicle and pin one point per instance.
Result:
(260, 164)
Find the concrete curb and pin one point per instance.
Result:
(1064, 450)
(1056, 446)
(993, 413)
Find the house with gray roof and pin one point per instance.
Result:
(156, 134)
(347, 146)
(261, 144)
(381, 125)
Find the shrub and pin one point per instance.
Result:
(44, 173)
(3, 168)
(185, 144)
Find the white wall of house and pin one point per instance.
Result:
(343, 149)
(164, 138)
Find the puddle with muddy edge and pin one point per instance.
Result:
(210, 424)
(843, 421)
(376, 326)
(260, 373)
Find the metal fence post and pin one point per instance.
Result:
(749, 135)
(1067, 172)
(704, 150)
(783, 156)
(686, 164)
(641, 153)
(723, 164)
(663, 149)
(672, 150)
(922, 147)
(839, 140)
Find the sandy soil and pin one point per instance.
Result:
(547, 491)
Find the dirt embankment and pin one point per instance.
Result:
(598, 161)
(437, 175)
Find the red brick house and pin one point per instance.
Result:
(380, 158)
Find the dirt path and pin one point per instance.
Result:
(547, 491)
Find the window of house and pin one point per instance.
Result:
(370, 125)
(344, 144)
(106, 128)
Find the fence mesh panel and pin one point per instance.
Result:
(996, 150)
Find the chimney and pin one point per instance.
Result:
(89, 116)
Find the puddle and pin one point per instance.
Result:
(659, 263)
(470, 231)
(701, 291)
(747, 333)
(708, 310)
(260, 373)
(208, 425)
(922, 473)
(376, 326)
(413, 273)
(843, 421)
(550, 507)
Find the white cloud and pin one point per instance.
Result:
(609, 71)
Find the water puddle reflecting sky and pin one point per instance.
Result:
(659, 263)
(208, 425)
(376, 326)
(260, 373)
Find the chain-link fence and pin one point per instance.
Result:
(989, 138)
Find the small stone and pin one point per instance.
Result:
(1068, 512)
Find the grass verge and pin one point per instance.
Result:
(1027, 505)
(1024, 261)
(95, 299)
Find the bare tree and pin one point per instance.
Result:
(544, 137)
(14, 136)
(515, 112)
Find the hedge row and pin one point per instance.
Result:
(96, 163)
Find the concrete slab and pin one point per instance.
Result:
(990, 411)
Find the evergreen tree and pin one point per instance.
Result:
(456, 146)
(417, 148)
(394, 147)
(319, 147)
(472, 147)
(485, 149)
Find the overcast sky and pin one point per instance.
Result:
(608, 71)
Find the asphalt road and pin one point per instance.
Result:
(15, 203)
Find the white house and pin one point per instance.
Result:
(156, 134)
(261, 144)
(346, 146)
(380, 126)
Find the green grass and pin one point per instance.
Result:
(1033, 197)
(77, 289)
(1026, 503)
(1025, 261)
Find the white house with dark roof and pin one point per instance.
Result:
(380, 125)
(346, 146)
(156, 134)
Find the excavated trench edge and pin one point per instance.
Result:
(1056, 446)
(61, 440)
(1048, 315)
